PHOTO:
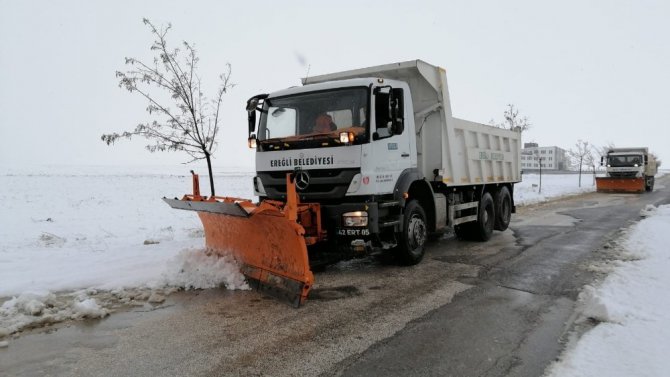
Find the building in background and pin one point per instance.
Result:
(551, 158)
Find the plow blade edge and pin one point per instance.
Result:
(271, 249)
(268, 239)
(604, 184)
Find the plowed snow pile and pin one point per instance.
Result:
(633, 307)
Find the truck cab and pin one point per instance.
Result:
(625, 164)
(361, 139)
(348, 142)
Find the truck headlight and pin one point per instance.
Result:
(356, 218)
(346, 137)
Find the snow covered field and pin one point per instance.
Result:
(79, 242)
(76, 231)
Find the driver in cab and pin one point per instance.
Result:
(324, 124)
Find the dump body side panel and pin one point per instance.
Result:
(482, 154)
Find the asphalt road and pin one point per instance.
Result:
(501, 308)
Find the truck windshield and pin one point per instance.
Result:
(624, 160)
(314, 120)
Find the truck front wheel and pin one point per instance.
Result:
(414, 234)
(649, 184)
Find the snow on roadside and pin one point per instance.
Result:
(195, 269)
(78, 242)
(553, 186)
(632, 306)
(35, 309)
(189, 269)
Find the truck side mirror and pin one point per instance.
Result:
(251, 115)
(389, 112)
(252, 106)
(602, 160)
(397, 104)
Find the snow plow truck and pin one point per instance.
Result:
(359, 162)
(627, 170)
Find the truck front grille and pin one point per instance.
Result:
(323, 184)
(623, 174)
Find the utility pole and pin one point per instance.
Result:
(540, 161)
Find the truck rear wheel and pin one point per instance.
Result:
(503, 208)
(414, 234)
(485, 219)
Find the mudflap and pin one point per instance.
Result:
(606, 184)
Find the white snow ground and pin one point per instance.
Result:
(70, 234)
(633, 306)
(78, 242)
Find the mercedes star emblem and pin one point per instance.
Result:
(301, 180)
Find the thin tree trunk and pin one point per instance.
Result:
(580, 172)
(209, 169)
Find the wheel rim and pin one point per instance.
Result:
(416, 232)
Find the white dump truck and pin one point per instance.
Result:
(390, 164)
(355, 162)
(627, 170)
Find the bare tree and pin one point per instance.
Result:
(192, 124)
(602, 150)
(590, 160)
(580, 156)
(512, 120)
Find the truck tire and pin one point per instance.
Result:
(503, 208)
(414, 234)
(485, 219)
(649, 184)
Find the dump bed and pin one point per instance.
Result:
(463, 152)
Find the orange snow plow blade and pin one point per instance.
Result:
(269, 240)
(604, 184)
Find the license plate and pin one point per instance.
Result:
(353, 232)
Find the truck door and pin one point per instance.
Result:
(391, 152)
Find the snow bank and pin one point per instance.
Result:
(189, 269)
(553, 186)
(195, 269)
(35, 309)
(633, 305)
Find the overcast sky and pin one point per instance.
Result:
(597, 71)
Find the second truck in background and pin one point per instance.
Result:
(627, 170)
